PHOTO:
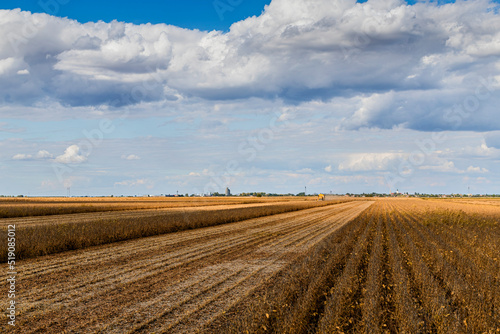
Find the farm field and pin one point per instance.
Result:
(176, 282)
(29, 207)
(42, 235)
(391, 265)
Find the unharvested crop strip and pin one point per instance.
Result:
(475, 316)
(463, 239)
(443, 316)
(371, 317)
(408, 320)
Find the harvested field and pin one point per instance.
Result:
(52, 234)
(172, 283)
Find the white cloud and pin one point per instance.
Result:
(370, 109)
(371, 161)
(472, 169)
(43, 154)
(22, 157)
(328, 168)
(9, 65)
(131, 157)
(71, 155)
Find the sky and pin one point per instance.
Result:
(128, 98)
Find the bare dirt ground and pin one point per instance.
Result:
(173, 283)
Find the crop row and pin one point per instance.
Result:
(401, 266)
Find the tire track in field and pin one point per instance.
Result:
(127, 287)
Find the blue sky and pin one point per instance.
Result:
(191, 14)
(194, 96)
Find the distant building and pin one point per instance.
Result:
(228, 192)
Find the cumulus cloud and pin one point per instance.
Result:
(371, 161)
(328, 169)
(402, 65)
(22, 157)
(43, 154)
(131, 157)
(71, 155)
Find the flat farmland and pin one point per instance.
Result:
(392, 265)
(112, 220)
(173, 283)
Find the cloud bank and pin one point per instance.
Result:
(423, 66)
